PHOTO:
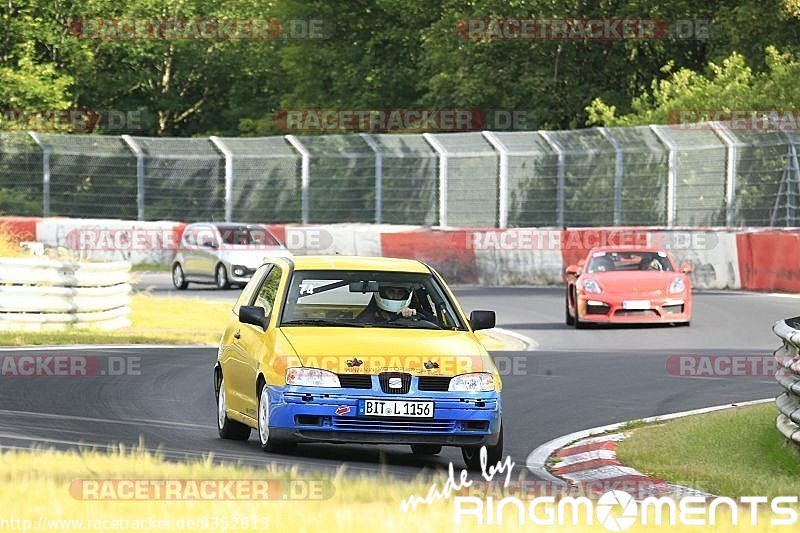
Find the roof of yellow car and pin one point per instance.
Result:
(347, 262)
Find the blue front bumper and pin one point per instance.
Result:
(317, 414)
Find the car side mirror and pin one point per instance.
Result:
(686, 268)
(482, 320)
(573, 270)
(254, 315)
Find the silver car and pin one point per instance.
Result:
(223, 254)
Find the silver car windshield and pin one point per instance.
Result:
(335, 298)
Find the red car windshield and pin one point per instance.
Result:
(626, 261)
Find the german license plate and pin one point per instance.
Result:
(638, 305)
(396, 408)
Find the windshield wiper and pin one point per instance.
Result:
(321, 322)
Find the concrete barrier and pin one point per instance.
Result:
(746, 258)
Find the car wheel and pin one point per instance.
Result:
(426, 449)
(494, 454)
(228, 429)
(268, 442)
(576, 321)
(570, 320)
(221, 277)
(178, 279)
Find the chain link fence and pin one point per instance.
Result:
(708, 174)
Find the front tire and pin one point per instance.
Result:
(570, 320)
(228, 429)
(494, 454)
(178, 277)
(268, 442)
(221, 277)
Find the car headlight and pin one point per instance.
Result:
(677, 285)
(474, 382)
(311, 377)
(239, 270)
(592, 286)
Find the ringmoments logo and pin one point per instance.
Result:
(618, 510)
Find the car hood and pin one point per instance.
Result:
(375, 350)
(646, 283)
(253, 258)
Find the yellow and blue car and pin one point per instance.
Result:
(357, 350)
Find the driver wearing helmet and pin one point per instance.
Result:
(390, 302)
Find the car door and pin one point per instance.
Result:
(189, 251)
(207, 251)
(250, 342)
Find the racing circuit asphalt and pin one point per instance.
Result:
(572, 381)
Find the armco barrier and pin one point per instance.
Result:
(788, 376)
(41, 294)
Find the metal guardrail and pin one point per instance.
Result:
(788, 376)
(41, 294)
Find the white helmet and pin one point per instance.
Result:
(389, 297)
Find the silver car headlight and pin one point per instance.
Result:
(473, 382)
(677, 286)
(311, 377)
(591, 286)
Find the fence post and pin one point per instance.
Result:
(378, 176)
(618, 170)
(730, 168)
(443, 160)
(137, 150)
(502, 197)
(672, 173)
(305, 175)
(45, 172)
(560, 177)
(228, 154)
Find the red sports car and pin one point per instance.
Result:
(628, 285)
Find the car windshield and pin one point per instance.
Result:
(246, 235)
(632, 260)
(335, 298)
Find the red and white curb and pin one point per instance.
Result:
(587, 461)
(592, 466)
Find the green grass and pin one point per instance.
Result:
(155, 320)
(736, 452)
(151, 268)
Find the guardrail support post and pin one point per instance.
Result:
(502, 177)
(137, 150)
(672, 174)
(378, 176)
(730, 169)
(228, 154)
(560, 177)
(618, 170)
(45, 172)
(443, 160)
(305, 176)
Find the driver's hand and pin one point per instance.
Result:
(407, 312)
